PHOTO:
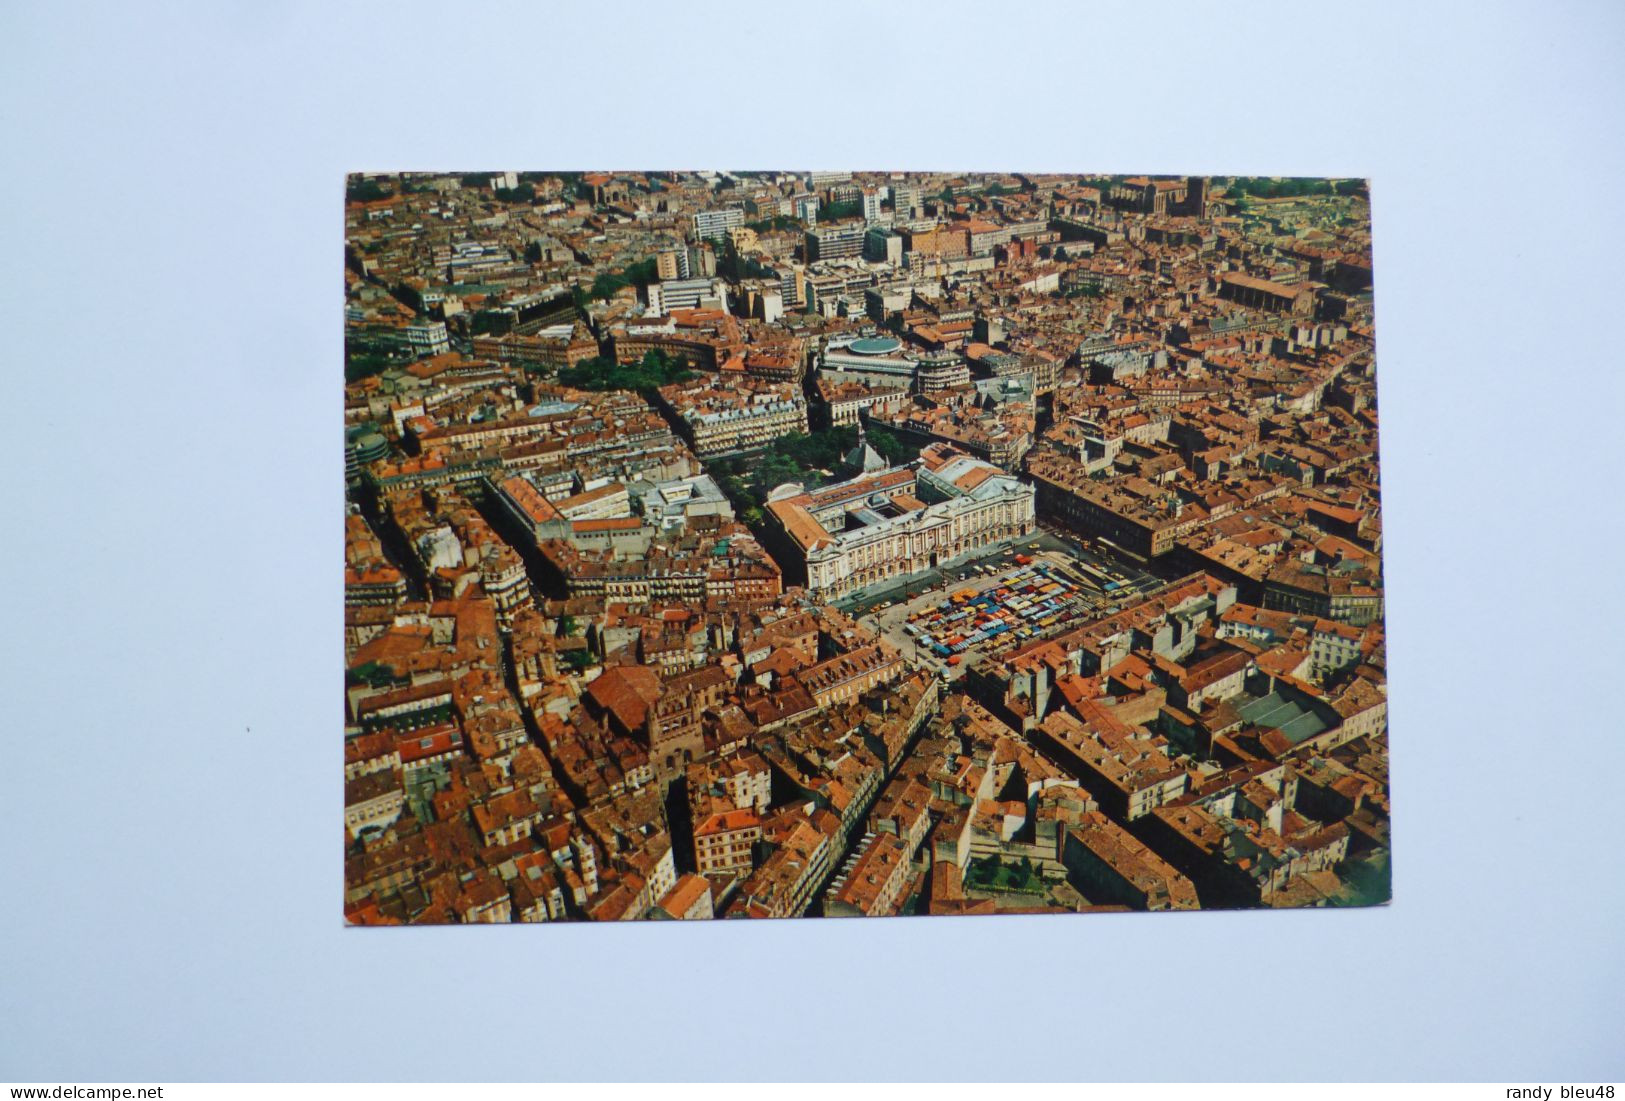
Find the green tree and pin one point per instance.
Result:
(640, 274)
(832, 212)
(365, 365)
(409, 295)
(777, 222)
(1261, 187)
(801, 457)
(891, 447)
(656, 369)
(372, 674)
(644, 272)
(366, 191)
(364, 358)
(607, 284)
(524, 193)
(490, 321)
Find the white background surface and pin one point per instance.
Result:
(169, 822)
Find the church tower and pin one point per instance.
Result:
(864, 458)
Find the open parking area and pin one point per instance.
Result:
(1020, 603)
(1099, 566)
(1019, 594)
(1029, 588)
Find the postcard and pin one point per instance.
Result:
(781, 544)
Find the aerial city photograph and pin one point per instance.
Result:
(769, 544)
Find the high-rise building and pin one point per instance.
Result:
(686, 294)
(882, 245)
(942, 371)
(835, 242)
(905, 203)
(816, 180)
(428, 338)
(672, 264)
(713, 225)
(872, 197)
(700, 262)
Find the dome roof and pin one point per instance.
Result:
(874, 346)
